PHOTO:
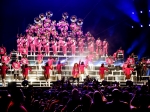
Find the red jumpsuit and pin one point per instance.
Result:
(26, 71)
(128, 72)
(59, 67)
(102, 72)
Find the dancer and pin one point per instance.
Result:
(81, 70)
(91, 47)
(46, 47)
(109, 61)
(16, 66)
(39, 44)
(99, 49)
(58, 68)
(131, 61)
(39, 59)
(50, 63)
(24, 60)
(47, 74)
(64, 48)
(2, 51)
(54, 47)
(128, 71)
(32, 45)
(5, 59)
(105, 48)
(3, 70)
(102, 70)
(25, 71)
(75, 72)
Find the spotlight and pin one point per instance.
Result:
(141, 11)
(132, 12)
(149, 10)
(141, 25)
(149, 24)
(132, 26)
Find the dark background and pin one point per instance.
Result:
(110, 19)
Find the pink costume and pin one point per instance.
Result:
(19, 44)
(91, 47)
(46, 47)
(39, 45)
(64, 48)
(16, 65)
(124, 66)
(109, 61)
(39, 57)
(81, 68)
(24, 50)
(105, 48)
(2, 50)
(99, 47)
(90, 57)
(75, 72)
(119, 52)
(131, 61)
(24, 61)
(54, 47)
(59, 67)
(50, 61)
(73, 47)
(5, 59)
(86, 62)
(32, 44)
(81, 46)
(115, 56)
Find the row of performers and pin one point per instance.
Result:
(71, 44)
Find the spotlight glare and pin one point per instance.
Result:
(141, 25)
(141, 11)
(132, 26)
(132, 12)
(149, 24)
(149, 10)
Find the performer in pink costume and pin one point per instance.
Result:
(19, 44)
(5, 59)
(51, 61)
(60, 42)
(46, 47)
(24, 60)
(81, 46)
(64, 48)
(24, 50)
(109, 61)
(130, 61)
(99, 49)
(128, 71)
(40, 59)
(32, 45)
(39, 44)
(105, 48)
(91, 47)
(73, 47)
(90, 58)
(115, 56)
(54, 47)
(25, 71)
(124, 66)
(16, 66)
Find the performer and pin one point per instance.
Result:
(32, 45)
(47, 74)
(124, 66)
(39, 44)
(91, 58)
(3, 70)
(24, 60)
(109, 61)
(91, 47)
(39, 59)
(86, 65)
(46, 47)
(54, 47)
(120, 53)
(81, 70)
(73, 47)
(5, 59)
(105, 48)
(99, 49)
(75, 72)
(16, 66)
(50, 63)
(64, 48)
(25, 71)
(2, 51)
(81, 46)
(128, 71)
(58, 68)
(102, 70)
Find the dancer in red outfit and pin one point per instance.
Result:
(47, 74)
(128, 71)
(3, 70)
(5, 59)
(16, 66)
(91, 47)
(75, 72)
(81, 70)
(32, 45)
(58, 68)
(105, 48)
(39, 59)
(102, 70)
(46, 47)
(25, 71)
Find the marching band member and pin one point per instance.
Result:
(39, 44)
(3, 70)
(109, 61)
(5, 59)
(124, 66)
(99, 49)
(102, 70)
(86, 65)
(81, 46)
(131, 61)
(75, 72)
(73, 47)
(120, 53)
(25, 71)
(64, 47)
(2, 51)
(24, 50)
(91, 47)
(81, 70)
(32, 45)
(47, 72)
(46, 47)
(16, 66)
(54, 47)
(58, 68)
(39, 59)
(128, 71)
(50, 63)
(105, 48)
(24, 60)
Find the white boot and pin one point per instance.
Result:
(48, 82)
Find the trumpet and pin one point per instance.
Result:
(49, 14)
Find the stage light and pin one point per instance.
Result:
(149, 24)
(141, 25)
(149, 10)
(132, 12)
(9, 80)
(132, 26)
(141, 11)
